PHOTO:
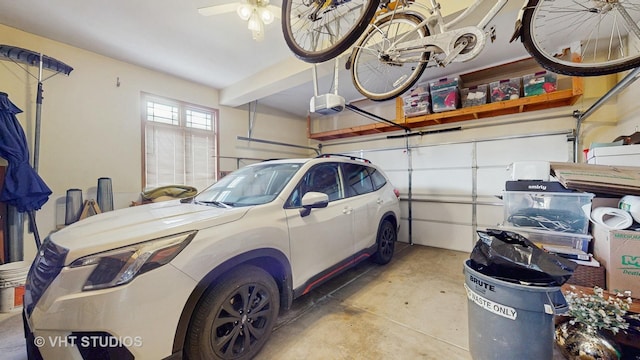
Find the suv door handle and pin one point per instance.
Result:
(380, 201)
(347, 210)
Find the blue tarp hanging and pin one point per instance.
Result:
(23, 187)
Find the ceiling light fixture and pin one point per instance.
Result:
(257, 14)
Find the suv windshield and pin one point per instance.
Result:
(252, 185)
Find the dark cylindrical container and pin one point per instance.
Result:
(105, 194)
(73, 206)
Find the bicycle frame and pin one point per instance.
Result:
(444, 38)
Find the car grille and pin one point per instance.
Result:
(45, 268)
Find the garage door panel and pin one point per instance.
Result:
(489, 215)
(445, 212)
(504, 152)
(491, 181)
(403, 234)
(399, 179)
(447, 236)
(442, 156)
(387, 160)
(442, 181)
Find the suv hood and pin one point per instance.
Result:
(136, 224)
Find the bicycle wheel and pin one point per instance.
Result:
(319, 30)
(583, 37)
(380, 73)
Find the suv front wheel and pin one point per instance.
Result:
(234, 318)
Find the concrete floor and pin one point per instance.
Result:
(413, 308)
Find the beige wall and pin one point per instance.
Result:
(91, 126)
(627, 120)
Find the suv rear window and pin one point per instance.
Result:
(357, 179)
(378, 179)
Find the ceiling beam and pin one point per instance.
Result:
(284, 75)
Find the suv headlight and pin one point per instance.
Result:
(120, 266)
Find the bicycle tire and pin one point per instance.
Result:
(373, 76)
(550, 27)
(340, 26)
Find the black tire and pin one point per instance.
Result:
(234, 318)
(386, 242)
(550, 25)
(376, 78)
(332, 43)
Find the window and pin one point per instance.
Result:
(378, 179)
(180, 143)
(357, 179)
(322, 178)
(251, 185)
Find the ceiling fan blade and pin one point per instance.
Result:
(218, 9)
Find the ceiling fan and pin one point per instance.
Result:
(257, 13)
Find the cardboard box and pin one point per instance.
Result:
(603, 179)
(619, 252)
(626, 155)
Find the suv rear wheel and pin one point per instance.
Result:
(234, 318)
(386, 241)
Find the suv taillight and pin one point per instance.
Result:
(397, 192)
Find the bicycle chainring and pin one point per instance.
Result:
(476, 40)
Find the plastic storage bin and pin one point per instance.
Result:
(445, 94)
(553, 238)
(542, 82)
(474, 96)
(417, 104)
(508, 89)
(559, 212)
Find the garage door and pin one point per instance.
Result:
(455, 187)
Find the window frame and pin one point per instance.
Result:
(183, 107)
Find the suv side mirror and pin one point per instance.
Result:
(313, 200)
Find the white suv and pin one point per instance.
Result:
(205, 277)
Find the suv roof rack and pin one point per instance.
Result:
(344, 156)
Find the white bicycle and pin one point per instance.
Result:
(395, 41)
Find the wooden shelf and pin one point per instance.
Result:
(566, 97)
(532, 103)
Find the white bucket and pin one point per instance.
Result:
(12, 278)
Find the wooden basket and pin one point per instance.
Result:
(588, 276)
